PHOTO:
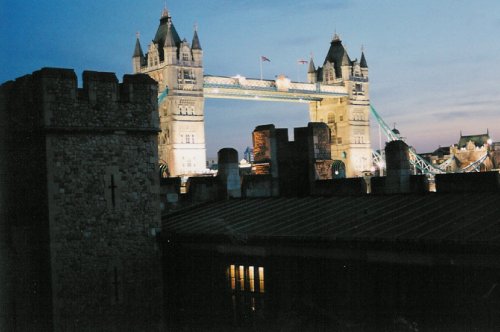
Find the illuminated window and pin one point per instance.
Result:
(232, 277)
(246, 279)
(241, 277)
(251, 279)
(246, 289)
(261, 280)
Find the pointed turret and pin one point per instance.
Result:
(363, 63)
(138, 56)
(169, 37)
(311, 72)
(138, 49)
(195, 45)
(166, 30)
(337, 55)
(171, 42)
(312, 68)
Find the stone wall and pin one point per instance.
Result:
(26, 290)
(95, 197)
(468, 182)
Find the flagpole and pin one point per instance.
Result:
(260, 67)
(298, 71)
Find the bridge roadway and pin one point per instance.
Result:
(281, 89)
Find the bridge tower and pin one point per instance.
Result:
(177, 66)
(348, 117)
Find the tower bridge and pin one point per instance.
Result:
(337, 93)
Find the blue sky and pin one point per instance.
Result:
(434, 65)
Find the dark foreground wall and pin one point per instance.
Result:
(82, 200)
(302, 292)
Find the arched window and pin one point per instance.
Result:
(338, 169)
(331, 117)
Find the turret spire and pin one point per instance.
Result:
(169, 38)
(312, 68)
(195, 45)
(362, 62)
(138, 50)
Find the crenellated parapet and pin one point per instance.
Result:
(102, 103)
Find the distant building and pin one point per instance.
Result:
(495, 154)
(177, 66)
(471, 153)
(248, 155)
(471, 150)
(212, 163)
(347, 117)
(438, 156)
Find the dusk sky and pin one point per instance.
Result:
(434, 65)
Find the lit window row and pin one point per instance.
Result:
(246, 278)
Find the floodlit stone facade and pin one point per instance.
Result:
(81, 190)
(347, 117)
(177, 66)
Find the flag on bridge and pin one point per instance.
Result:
(263, 58)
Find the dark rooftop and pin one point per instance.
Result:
(457, 218)
(337, 55)
(478, 140)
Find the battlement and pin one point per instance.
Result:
(97, 86)
(102, 102)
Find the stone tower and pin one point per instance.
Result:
(348, 117)
(80, 203)
(177, 66)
